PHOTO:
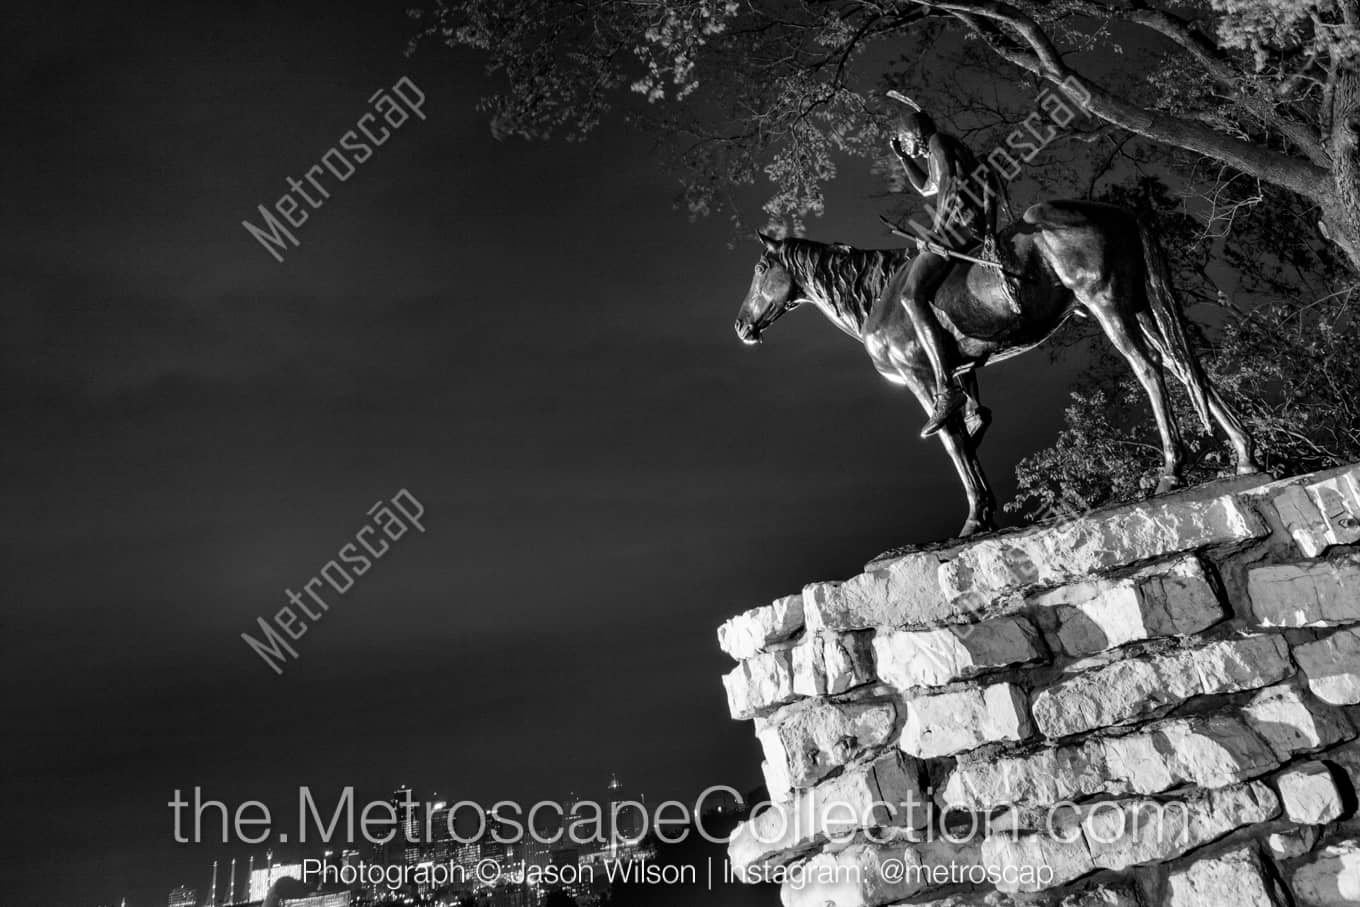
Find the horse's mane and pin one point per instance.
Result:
(849, 279)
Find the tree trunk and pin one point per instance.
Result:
(1341, 206)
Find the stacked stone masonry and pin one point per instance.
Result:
(1151, 704)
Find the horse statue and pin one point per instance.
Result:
(1064, 258)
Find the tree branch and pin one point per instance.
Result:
(1043, 59)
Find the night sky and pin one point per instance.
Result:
(527, 337)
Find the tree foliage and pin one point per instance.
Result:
(785, 89)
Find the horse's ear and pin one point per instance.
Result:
(771, 244)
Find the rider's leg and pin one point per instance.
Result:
(926, 274)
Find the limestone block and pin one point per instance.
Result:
(1332, 880)
(1100, 698)
(1128, 689)
(1321, 513)
(1049, 775)
(809, 740)
(932, 658)
(1106, 540)
(1309, 794)
(1207, 751)
(884, 793)
(1332, 666)
(1128, 833)
(1036, 861)
(759, 684)
(901, 593)
(1291, 843)
(829, 663)
(942, 724)
(1174, 598)
(1231, 879)
(1291, 722)
(1310, 594)
(1236, 664)
(775, 766)
(749, 633)
(869, 875)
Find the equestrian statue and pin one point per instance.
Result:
(973, 295)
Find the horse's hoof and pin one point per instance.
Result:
(1249, 468)
(974, 527)
(1168, 483)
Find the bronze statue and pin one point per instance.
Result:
(961, 219)
(1073, 257)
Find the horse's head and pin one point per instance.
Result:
(773, 292)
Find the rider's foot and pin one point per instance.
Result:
(947, 402)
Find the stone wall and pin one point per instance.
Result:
(1151, 704)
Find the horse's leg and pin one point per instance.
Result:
(963, 454)
(1244, 447)
(1124, 334)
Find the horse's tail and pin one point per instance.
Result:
(1173, 344)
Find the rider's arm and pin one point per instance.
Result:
(943, 177)
(993, 204)
(921, 180)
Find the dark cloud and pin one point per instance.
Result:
(526, 337)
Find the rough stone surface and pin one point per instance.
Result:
(749, 633)
(932, 658)
(881, 794)
(1232, 879)
(1134, 832)
(1310, 594)
(904, 593)
(829, 663)
(759, 684)
(1321, 513)
(1332, 666)
(1294, 842)
(1153, 704)
(1291, 722)
(1133, 688)
(1208, 751)
(804, 743)
(942, 724)
(1170, 599)
(1048, 775)
(1051, 556)
(1309, 794)
(1036, 861)
(1332, 880)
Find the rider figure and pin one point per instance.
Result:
(966, 198)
